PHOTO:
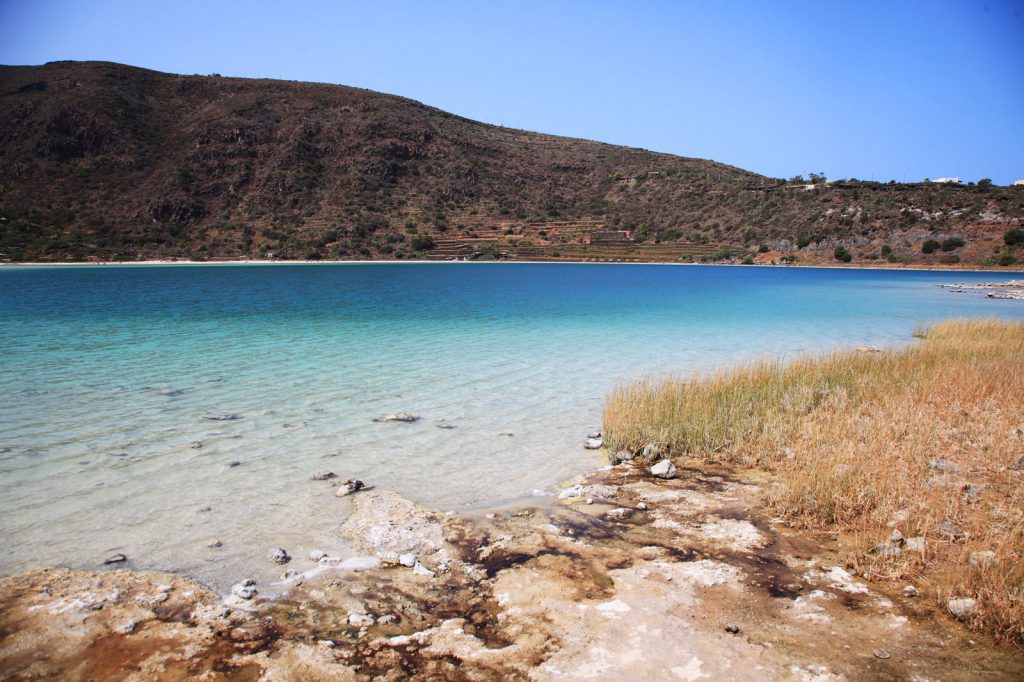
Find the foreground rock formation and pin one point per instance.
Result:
(628, 577)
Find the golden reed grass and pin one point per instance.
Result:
(853, 439)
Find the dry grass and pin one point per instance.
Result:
(850, 436)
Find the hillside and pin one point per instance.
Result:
(105, 161)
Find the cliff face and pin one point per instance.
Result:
(107, 161)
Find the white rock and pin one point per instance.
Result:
(245, 589)
(909, 591)
(360, 619)
(408, 560)
(317, 555)
(619, 513)
(420, 569)
(983, 559)
(398, 417)
(593, 443)
(664, 469)
(962, 607)
(914, 544)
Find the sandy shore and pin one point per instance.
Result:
(626, 576)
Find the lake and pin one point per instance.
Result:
(110, 375)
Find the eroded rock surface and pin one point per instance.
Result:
(696, 581)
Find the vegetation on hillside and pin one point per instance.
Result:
(108, 161)
(927, 440)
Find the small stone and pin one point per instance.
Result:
(195, 445)
(950, 530)
(619, 513)
(445, 425)
(881, 653)
(115, 559)
(408, 560)
(868, 349)
(972, 493)
(943, 465)
(594, 434)
(641, 505)
(420, 569)
(325, 643)
(651, 451)
(222, 417)
(896, 538)
(388, 619)
(490, 515)
(622, 456)
(590, 500)
(570, 493)
(914, 545)
(732, 629)
(361, 619)
(899, 518)
(983, 559)
(126, 628)
(1019, 465)
(397, 417)
(245, 589)
(214, 544)
(887, 551)
(505, 434)
(350, 486)
(204, 509)
(317, 555)
(593, 443)
(281, 556)
(323, 475)
(664, 469)
(910, 591)
(962, 607)
(232, 465)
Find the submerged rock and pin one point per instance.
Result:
(115, 559)
(664, 469)
(593, 443)
(281, 556)
(350, 486)
(222, 417)
(397, 417)
(324, 475)
(594, 434)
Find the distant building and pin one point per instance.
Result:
(955, 181)
(608, 237)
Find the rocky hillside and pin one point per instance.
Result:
(105, 161)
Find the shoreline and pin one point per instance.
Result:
(259, 262)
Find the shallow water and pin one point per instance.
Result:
(110, 372)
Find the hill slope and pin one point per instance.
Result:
(105, 161)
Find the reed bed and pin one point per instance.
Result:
(871, 442)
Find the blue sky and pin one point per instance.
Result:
(884, 90)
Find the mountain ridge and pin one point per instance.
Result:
(104, 161)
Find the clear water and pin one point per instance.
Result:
(107, 375)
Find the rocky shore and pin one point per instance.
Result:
(628, 574)
(1010, 290)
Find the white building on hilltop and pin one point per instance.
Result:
(941, 180)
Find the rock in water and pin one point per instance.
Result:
(317, 555)
(593, 443)
(594, 434)
(115, 559)
(350, 486)
(222, 417)
(664, 469)
(281, 556)
(323, 475)
(398, 417)
(245, 589)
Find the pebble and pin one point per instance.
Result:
(115, 559)
(914, 545)
(195, 445)
(445, 425)
(664, 469)
(350, 486)
(590, 500)
(361, 619)
(214, 544)
(910, 591)
(281, 556)
(317, 555)
(943, 465)
(651, 451)
(387, 619)
(972, 492)
(232, 465)
(126, 628)
(622, 456)
(420, 569)
(641, 505)
(245, 589)
(505, 434)
(618, 513)
(594, 434)
(962, 607)
(982, 559)
(408, 559)
(896, 538)
(950, 530)
(222, 417)
(397, 417)
(323, 475)
(593, 443)
(881, 653)
(732, 629)
(205, 509)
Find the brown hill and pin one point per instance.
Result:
(105, 161)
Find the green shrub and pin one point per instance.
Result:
(952, 243)
(803, 242)
(950, 260)
(930, 246)
(1014, 237)
(886, 250)
(763, 248)
(1006, 258)
(422, 242)
(840, 253)
(749, 260)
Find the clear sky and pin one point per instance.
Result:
(884, 90)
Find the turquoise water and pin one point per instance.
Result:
(109, 372)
